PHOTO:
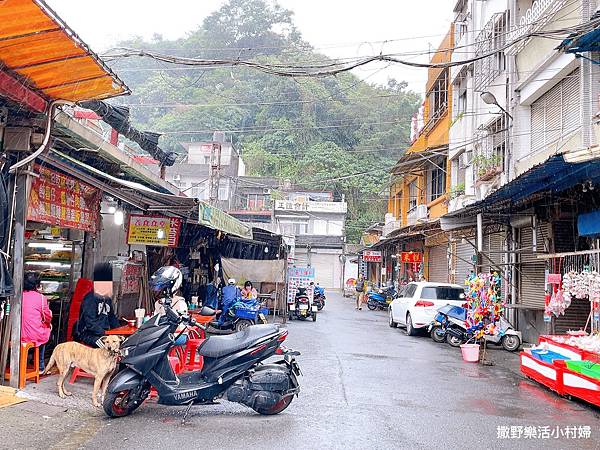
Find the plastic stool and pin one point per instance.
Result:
(26, 372)
(193, 361)
(77, 372)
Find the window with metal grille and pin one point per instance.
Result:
(491, 147)
(438, 99)
(491, 40)
(460, 93)
(557, 113)
(413, 194)
(437, 180)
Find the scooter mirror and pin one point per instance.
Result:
(206, 311)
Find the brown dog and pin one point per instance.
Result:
(100, 362)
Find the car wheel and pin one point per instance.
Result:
(410, 330)
(391, 320)
(511, 342)
(438, 334)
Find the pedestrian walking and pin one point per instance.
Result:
(361, 286)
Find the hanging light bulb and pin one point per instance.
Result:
(119, 217)
(160, 233)
(112, 209)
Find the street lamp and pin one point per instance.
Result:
(490, 99)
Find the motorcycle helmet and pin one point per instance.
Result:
(167, 279)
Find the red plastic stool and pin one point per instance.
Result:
(77, 372)
(193, 361)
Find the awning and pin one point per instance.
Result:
(413, 162)
(587, 42)
(49, 57)
(133, 193)
(217, 219)
(552, 176)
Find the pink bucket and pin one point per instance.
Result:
(470, 352)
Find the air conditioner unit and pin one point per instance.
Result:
(421, 212)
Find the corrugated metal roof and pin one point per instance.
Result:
(49, 57)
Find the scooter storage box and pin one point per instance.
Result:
(243, 313)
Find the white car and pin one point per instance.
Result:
(417, 304)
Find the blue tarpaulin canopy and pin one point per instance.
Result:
(589, 224)
(552, 176)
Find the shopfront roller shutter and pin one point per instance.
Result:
(438, 263)
(325, 265)
(575, 316)
(494, 252)
(532, 271)
(463, 261)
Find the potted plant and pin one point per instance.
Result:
(457, 190)
(487, 166)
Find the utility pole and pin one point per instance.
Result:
(214, 174)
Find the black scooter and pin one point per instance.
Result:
(232, 368)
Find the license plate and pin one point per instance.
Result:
(303, 306)
(262, 317)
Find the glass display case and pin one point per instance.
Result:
(58, 262)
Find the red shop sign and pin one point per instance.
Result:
(412, 257)
(61, 200)
(371, 256)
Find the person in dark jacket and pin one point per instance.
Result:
(97, 313)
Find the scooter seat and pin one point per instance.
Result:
(216, 346)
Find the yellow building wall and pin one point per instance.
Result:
(429, 138)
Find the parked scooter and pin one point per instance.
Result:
(447, 316)
(301, 308)
(452, 323)
(381, 298)
(232, 364)
(241, 315)
(319, 297)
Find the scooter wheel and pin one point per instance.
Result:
(276, 408)
(242, 324)
(438, 335)
(511, 342)
(314, 317)
(453, 340)
(371, 305)
(120, 404)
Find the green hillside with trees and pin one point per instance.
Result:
(338, 133)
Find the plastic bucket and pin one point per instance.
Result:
(470, 352)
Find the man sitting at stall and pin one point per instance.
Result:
(229, 295)
(97, 313)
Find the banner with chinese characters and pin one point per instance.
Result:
(412, 257)
(299, 277)
(153, 230)
(371, 256)
(64, 201)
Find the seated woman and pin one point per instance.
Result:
(36, 315)
(249, 293)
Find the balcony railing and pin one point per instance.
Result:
(391, 226)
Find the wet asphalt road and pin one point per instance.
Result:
(365, 386)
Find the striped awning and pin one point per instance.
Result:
(39, 50)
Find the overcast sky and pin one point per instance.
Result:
(340, 28)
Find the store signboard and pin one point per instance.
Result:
(371, 256)
(299, 277)
(63, 201)
(153, 230)
(412, 257)
(219, 220)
